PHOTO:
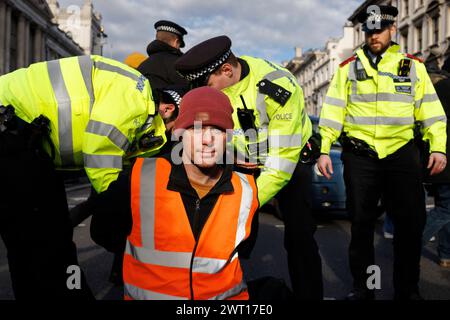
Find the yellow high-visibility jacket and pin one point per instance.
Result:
(283, 130)
(97, 108)
(382, 109)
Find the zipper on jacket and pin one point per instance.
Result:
(196, 214)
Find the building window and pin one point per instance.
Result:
(418, 4)
(419, 39)
(405, 8)
(357, 36)
(436, 30)
(404, 40)
(32, 44)
(448, 24)
(13, 42)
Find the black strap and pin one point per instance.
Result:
(273, 90)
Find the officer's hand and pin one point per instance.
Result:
(437, 163)
(325, 166)
(247, 165)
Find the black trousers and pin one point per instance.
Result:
(398, 179)
(35, 224)
(304, 262)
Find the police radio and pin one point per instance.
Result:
(149, 140)
(404, 67)
(246, 117)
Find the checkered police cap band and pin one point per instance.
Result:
(169, 29)
(175, 96)
(208, 69)
(380, 17)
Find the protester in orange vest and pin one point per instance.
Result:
(191, 212)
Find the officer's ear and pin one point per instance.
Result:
(393, 30)
(227, 69)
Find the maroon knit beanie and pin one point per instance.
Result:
(208, 105)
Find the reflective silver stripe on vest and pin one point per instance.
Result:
(109, 67)
(244, 209)
(102, 161)
(335, 102)
(142, 294)
(231, 293)
(280, 164)
(331, 124)
(147, 202)
(387, 97)
(86, 65)
(429, 122)
(285, 141)
(110, 131)
(64, 113)
(175, 259)
(393, 121)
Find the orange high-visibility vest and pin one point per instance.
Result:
(163, 261)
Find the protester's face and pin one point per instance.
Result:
(379, 41)
(204, 146)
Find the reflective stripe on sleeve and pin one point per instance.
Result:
(280, 164)
(429, 122)
(110, 131)
(331, 124)
(102, 161)
(64, 113)
(433, 97)
(335, 102)
(285, 141)
(86, 65)
(109, 67)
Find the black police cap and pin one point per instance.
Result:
(377, 19)
(204, 58)
(169, 26)
(172, 94)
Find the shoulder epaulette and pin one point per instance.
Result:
(352, 58)
(413, 57)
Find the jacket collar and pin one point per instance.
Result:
(367, 62)
(179, 181)
(159, 46)
(243, 83)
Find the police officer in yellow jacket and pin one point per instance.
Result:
(374, 100)
(271, 128)
(81, 112)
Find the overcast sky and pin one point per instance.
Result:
(262, 28)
